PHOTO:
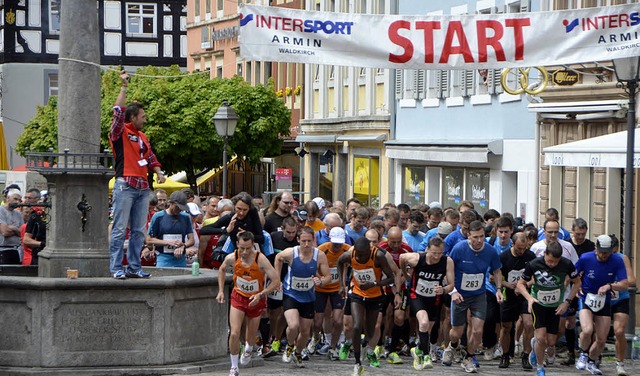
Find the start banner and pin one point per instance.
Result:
(439, 42)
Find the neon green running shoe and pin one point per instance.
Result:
(373, 359)
(394, 358)
(418, 361)
(344, 350)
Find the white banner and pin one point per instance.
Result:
(439, 42)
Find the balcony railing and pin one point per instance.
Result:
(70, 163)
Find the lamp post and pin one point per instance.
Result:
(225, 121)
(627, 71)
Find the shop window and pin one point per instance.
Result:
(325, 171)
(413, 185)
(452, 187)
(477, 189)
(366, 180)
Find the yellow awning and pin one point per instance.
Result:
(4, 162)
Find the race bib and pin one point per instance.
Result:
(170, 237)
(426, 288)
(334, 275)
(595, 301)
(249, 287)
(302, 284)
(514, 276)
(472, 282)
(364, 275)
(549, 297)
(275, 294)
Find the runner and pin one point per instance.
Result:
(549, 274)
(305, 264)
(620, 311)
(248, 296)
(365, 293)
(515, 306)
(472, 259)
(329, 294)
(427, 273)
(602, 273)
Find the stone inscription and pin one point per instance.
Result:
(102, 326)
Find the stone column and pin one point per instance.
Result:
(68, 245)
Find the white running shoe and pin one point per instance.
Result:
(468, 366)
(245, 358)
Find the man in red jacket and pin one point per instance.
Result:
(134, 159)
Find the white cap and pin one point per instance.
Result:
(193, 209)
(320, 202)
(337, 235)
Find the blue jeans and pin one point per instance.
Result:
(130, 207)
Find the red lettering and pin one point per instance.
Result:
(297, 24)
(400, 41)
(624, 20)
(613, 20)
(428, 27)
(484, 41)
(286, 24)
(261, 21)
(518, 36)
(455, 29)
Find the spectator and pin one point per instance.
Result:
(279, 209)
(35, 232)
(10, 222)
(161, 196)
(172, 233)
(211, 213)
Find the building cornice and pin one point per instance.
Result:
(344, 124)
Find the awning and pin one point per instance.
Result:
(316, 139)
(581, 106)
(368, 137)
(458, 151)
(603, 151)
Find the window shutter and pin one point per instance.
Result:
(399, 83)
(419, 84)
(494, 85)
(525, 5)
(468, 83)
(444, 84)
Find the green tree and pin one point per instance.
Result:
(179, 109)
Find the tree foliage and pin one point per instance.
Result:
(179, 109)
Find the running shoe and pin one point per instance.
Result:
(488, 353)
(305, 354)
(288, 354)
(344, 350)
(468, 366)
(504, 361)
(311, 346)
(620, 369)
(433, 354)
(275, 345)
(358, 370)
(334, 354)
(138, 274)
(593, 368)
(570, 361)
(324, 350)
(550, 355)
(457, 354)
(267, 351)
(379, 350)
(119, 275)
(418, 361)
(405, 351)
(296, 360)
(532, 357)
(394, 358)
(525, 361)
(541, 371)
(581, 363)
(475, 361)
(234, 372)
(447, 356)
(373, 359)
(428, 363)
(245, 358)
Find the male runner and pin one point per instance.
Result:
(248, 296)
(367, 263)
(427, 273)
(549, 274)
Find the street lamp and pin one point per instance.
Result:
(628, 72)
(225, 120)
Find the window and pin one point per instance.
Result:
(366, 180)
(53, 84)
(141, 19)
(413, 183)
(220, 5)
(207, 6)
(325, 174)
(197, 11)
(466, 184)
(54, 16)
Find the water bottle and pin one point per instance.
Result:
(195, 268)
(635, 348)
